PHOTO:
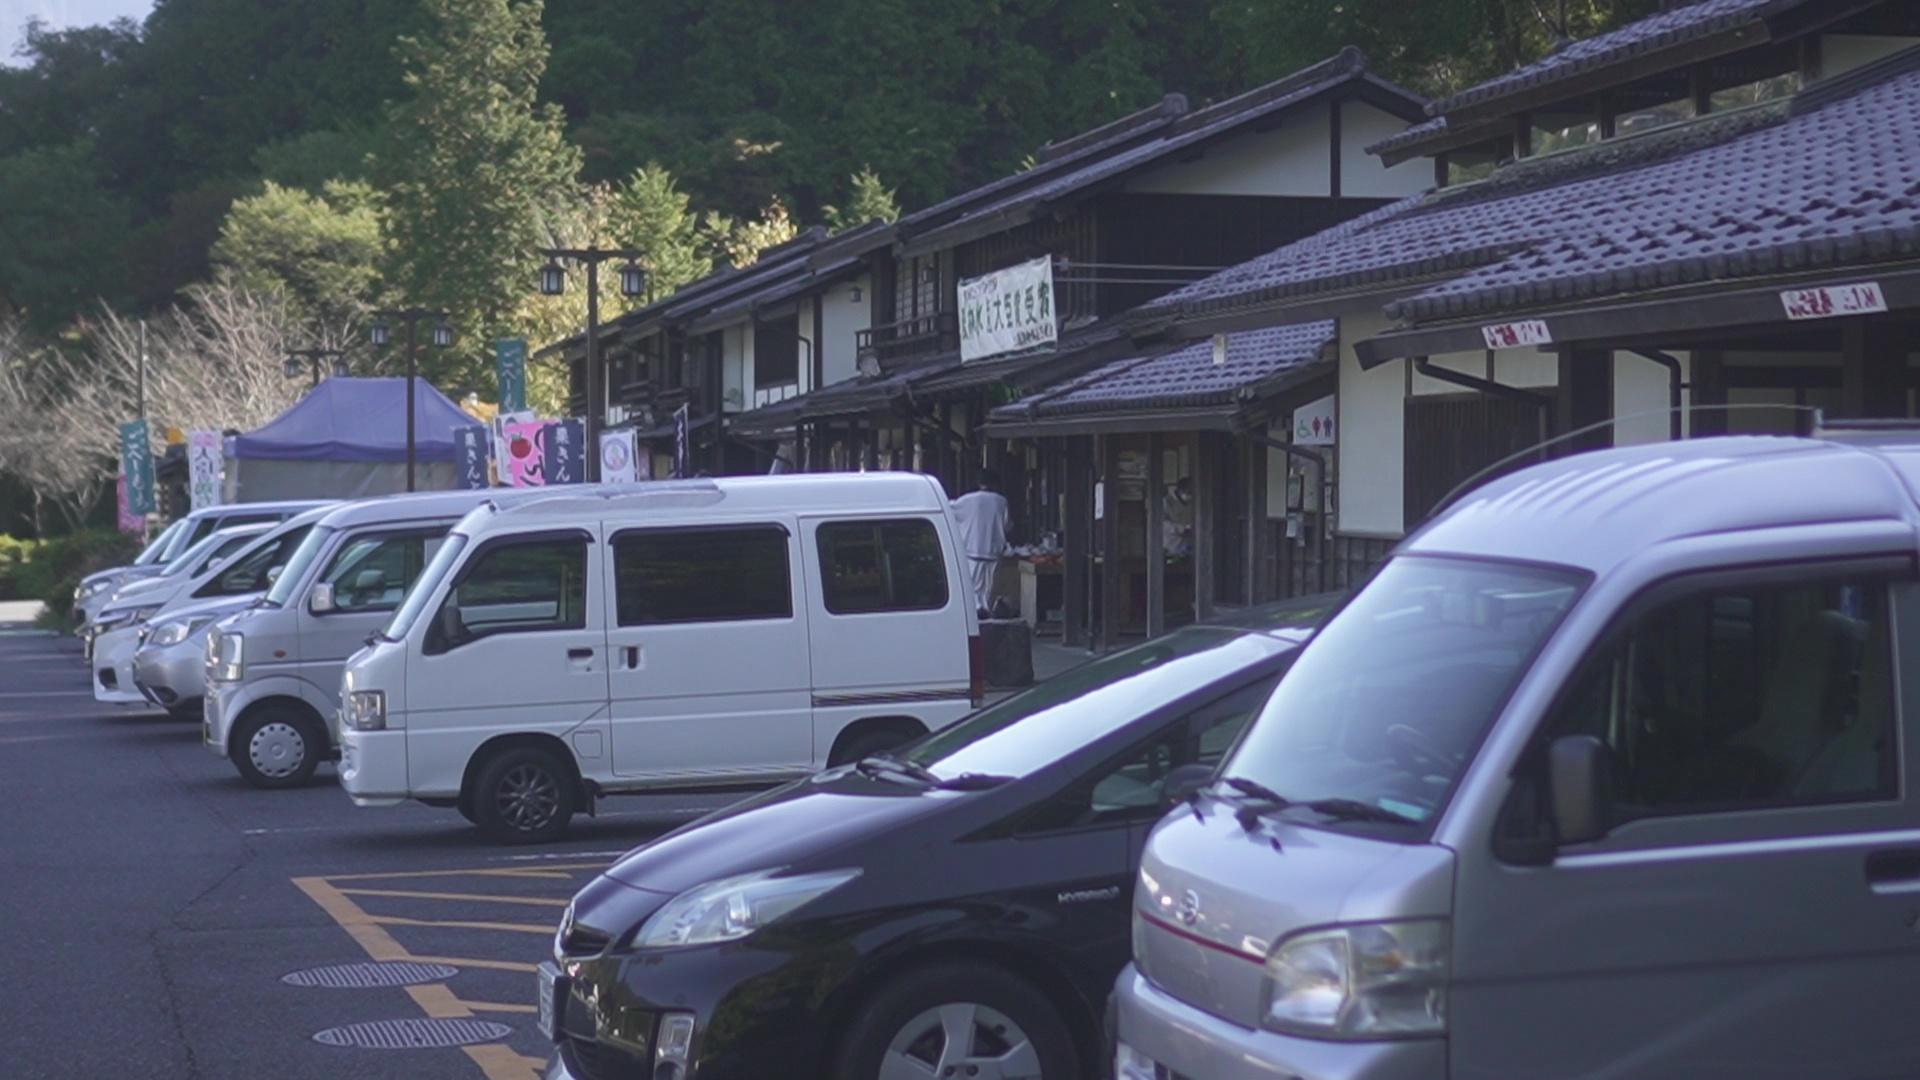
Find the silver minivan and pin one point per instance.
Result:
(1605, 774)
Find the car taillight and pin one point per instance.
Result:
(977, 670)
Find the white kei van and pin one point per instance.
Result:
(708, 634)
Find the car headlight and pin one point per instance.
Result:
(366, 710)
(89, 588)
(731, 908)
(1365, 981)
(226, 657)
(137, 615)
(175, 631)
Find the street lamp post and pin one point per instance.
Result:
(442, 337)
(553, 282)
(304, 358)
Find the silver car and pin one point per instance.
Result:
(169, 666)
(1603, 775)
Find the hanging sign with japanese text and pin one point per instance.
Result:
(1008, 310)
(203, 468)
(125, 519)
(136, 464)
(1517, 335)
(617, 460)
(525, 464)
(470, 456)
(510, 367)
(563, 446)
(1834, 301)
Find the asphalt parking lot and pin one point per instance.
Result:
(163, 919)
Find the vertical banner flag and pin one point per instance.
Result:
(682, 450)
(617, 462)
(203, 468)
(510, 366)
(136, 464)
(127, 520)
(565, 463)
(470, 456)
(525, 465)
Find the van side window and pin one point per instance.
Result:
(874, 566)
(372, 572)
(534, 585)
(250, 574)
(1745, 699)
(665, 576)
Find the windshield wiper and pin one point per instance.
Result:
(1265, 801)
(1355, 810)
(972, 781)
(887, 766)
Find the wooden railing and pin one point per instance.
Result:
(923, 333)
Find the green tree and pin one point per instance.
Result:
(651, 214)
(474, 169)
(774, 226)
(322, 252)
(872, 201)
(59, 233)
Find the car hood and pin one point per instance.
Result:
(792, 826)
(133, 590)
(213, 607)
(1213, 898)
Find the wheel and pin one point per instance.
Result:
(867, 742)
(277, 747)
(523, 795)
(966, 1021)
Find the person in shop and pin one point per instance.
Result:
(1176, 518)
(981, 518)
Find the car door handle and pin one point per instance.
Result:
(580, 654)
(1894, 871)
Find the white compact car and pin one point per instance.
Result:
(706, 634)
(97, 588)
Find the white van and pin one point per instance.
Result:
(706, 634)
(273, 670)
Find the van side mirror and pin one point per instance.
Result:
(320, 600)
(273, 573)
(1184, 781)
(1578, 767)
(452, 628)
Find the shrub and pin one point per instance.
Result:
(57, 565)
(14, 553)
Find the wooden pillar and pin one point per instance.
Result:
(1206, 522)
(1109, 542)
(1873, 369)
(1709, 392)
(1585, 397)
(1259, 534)
(1156, 540)
(1078, 530)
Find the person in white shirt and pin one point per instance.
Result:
(981, 518)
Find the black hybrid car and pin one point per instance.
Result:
(956, 908)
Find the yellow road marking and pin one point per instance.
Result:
(489, 871)
(468, 961)
(478, 898)
(460, 924)
(377, 942)
(502, 1062)
(438, 1001)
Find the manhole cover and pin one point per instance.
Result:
(372, 974)
(413, 1034)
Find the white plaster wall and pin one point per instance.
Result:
(803, 354)
(843, 318)
(1467, 363)
(736, 367)
(1371, 465)
(1363, 175)
(1640, 386)
(1289, 160)
(1841, 53)
(1526, 368)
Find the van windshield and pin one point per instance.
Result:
(288, 582)
(152, 552)
(1389, 702)
(424, 586)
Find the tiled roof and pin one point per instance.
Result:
(1656, 32)
(1347, 65)
(1417, 133)
(1831, 178)
(1187, 376)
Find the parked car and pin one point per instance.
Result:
(111, 637)
(96, 588)
(272, 681)
(169, 666)
(956, 908)
(1603, 774)
(728, 633)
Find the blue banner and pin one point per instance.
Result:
(510, 367)
(470, 456)
(565, 463)
(136, 464)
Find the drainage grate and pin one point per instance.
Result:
(413, 1034)
(367, 975)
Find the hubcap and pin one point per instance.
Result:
(528, 797)
(961, 1040)
(277, 749)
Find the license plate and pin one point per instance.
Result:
(552, 987)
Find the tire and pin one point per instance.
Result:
(523, 795)
(277, 747)
(867, 742)
(1012, 1030)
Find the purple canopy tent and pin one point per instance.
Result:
(347, 439)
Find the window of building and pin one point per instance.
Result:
(776, 352)
(666, 576)
(1773, 88)
(519, 586)
(1745, 698)
(874, 566)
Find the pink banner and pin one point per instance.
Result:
(129, 522)
(524, 462)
